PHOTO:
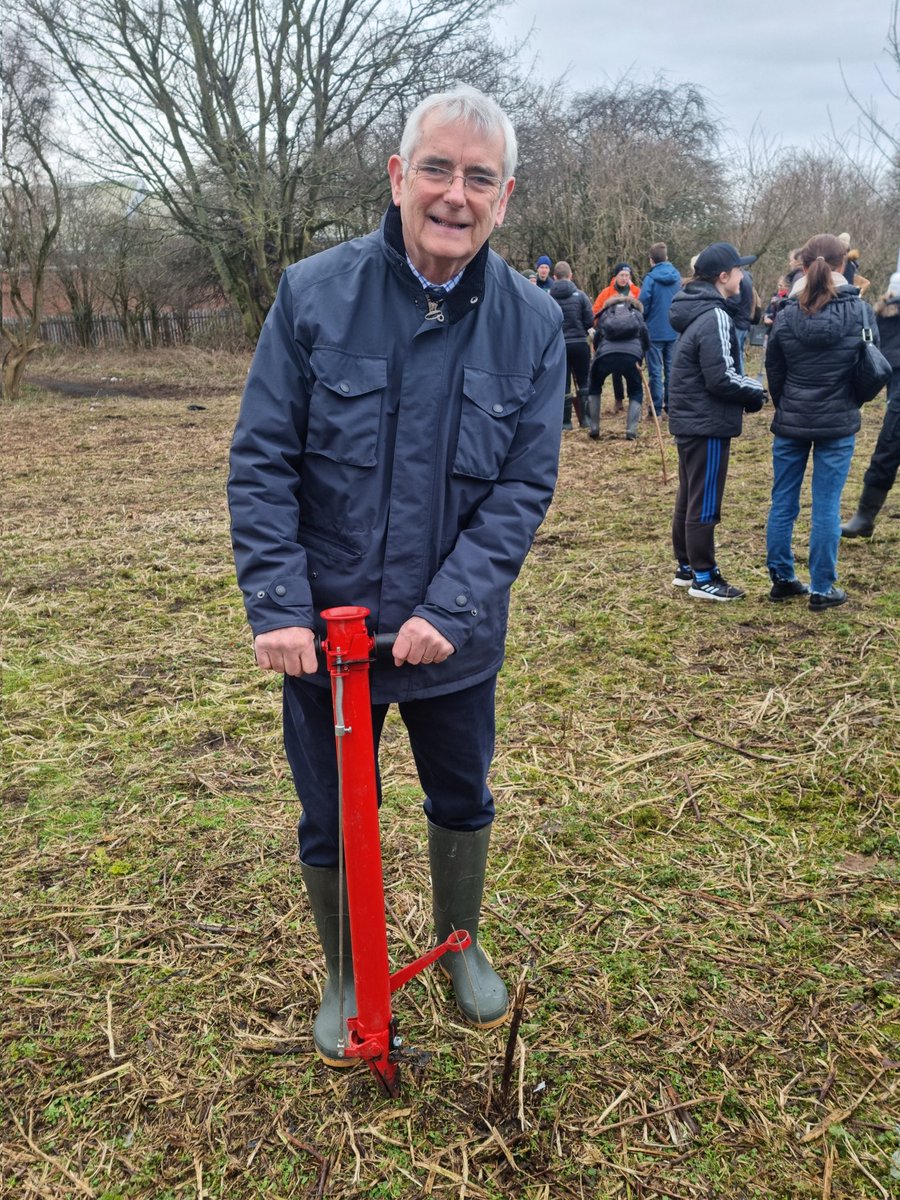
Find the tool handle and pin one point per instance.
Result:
(381, 651)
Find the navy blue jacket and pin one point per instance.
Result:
(707, 393)
(657, 293)
(809, 366)
(396, 462)
(578, 316)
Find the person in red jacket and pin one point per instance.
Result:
(621, 284)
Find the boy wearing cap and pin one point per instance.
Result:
(708, 397)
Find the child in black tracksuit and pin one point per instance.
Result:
(621, 340)
(708, 397)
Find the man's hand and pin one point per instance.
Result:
(418, 642)
(291, 651)
(754, 405)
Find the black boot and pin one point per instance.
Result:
(322, 888)
(582, 402)
(458, 862)
(567, 413)
(862, 523)
(635, 408)
(594, 416)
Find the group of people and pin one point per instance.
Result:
(397, 448)
(691, 333)
(625, 326)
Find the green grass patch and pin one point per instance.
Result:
(695, 859)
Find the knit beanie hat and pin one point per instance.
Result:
(544, 261)
(622, 267)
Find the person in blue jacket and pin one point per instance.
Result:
(657, 293)
(397, 448)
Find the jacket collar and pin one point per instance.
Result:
(837, 279)
(467, 294)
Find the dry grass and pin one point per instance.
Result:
(695, 857)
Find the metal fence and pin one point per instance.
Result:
(206, 326)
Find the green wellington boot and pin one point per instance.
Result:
(633, 420)
(458, 862)
(322, 888)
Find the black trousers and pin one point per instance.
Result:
(616, 364)
(578, 364)
(882, 469)
(452, 741)
(702, 468)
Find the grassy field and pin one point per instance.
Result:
(694, 867)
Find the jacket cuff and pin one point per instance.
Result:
(451, 609)
(280, 604)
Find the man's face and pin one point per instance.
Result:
(543, 271)
(445, 225)
(623, 279)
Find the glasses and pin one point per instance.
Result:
(473, 181)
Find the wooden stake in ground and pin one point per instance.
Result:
(649, 399)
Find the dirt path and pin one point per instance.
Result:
(104, 389)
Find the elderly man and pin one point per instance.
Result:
(397, 448)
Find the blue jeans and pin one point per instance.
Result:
(659, 360)
(831, 465)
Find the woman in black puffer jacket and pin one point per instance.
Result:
(812, 352)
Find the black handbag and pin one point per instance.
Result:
(872, 370)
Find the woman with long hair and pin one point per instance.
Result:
(810, 360)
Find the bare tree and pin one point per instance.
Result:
(608, 172)
(31, 211)
(244, 117)
(882, 130)
(801, 194)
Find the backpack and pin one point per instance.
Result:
(621, 322)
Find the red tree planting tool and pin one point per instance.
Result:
(372, 1034)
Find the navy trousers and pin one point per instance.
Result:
(702, 468)
(452, 741)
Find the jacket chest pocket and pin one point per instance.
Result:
(345, 406)
(488, 421)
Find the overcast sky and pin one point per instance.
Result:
(776, 65)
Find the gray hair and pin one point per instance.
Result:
(471, 107)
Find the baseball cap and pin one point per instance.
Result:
(719, 257)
